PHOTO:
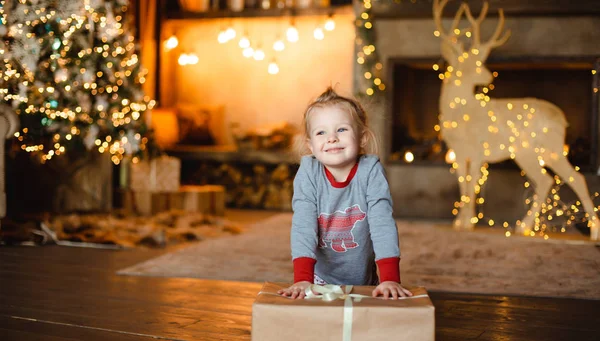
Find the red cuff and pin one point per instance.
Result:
(389, 269)
(304, 269)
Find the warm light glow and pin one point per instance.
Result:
(259, 54)
(292, 34)
(248, 52)
(222, 37)
(230, 33)
(171, 43)
(278, 45)
(409, 157)
(187, 59)
(450, 156)
(319, 34)
(183, 58)
(192, 59)
(273, 68)
(244, 42)
(330, 24)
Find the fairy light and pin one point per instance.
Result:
(230, 33)
(319, 34)
(292, 33)
(222, 38)
(64, 126)
(248, 52)
(259, 54)
(244, 42)
(366, 56)
(171, 43)
(329, 24)
(278, 45)
(273, 68)
(518, 121)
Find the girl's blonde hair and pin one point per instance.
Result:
(330, 98)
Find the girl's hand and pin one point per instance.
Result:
(296, 290)
(391, 289)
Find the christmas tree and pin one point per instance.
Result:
(71, 73)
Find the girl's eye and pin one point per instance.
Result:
(320, 133)
(342, 130)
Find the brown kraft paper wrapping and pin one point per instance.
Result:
(275, 317)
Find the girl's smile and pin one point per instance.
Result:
(334, 140)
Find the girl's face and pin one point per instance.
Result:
(333, 139)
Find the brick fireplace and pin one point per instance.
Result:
(549, 57)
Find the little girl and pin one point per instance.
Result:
(342, 228)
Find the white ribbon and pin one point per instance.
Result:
(332, 292)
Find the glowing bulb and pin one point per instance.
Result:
(222, 38)
(330, 24)
(319, 34)
(248, 52)
(450, 156)
(292, 34)
(278, 45)
(259, 54)
(273, 68)
(409, 157)
(183, 59)
(230, 33)
(171, 43)
(244, 42)
(192, 59)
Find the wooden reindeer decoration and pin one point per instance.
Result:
(482, 130)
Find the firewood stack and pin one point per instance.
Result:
(207, 199)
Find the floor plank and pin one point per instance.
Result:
(68, 293)
(14, 328)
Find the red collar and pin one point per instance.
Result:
(341, 184)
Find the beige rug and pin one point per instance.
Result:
(433, 255)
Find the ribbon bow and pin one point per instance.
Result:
(332, 292)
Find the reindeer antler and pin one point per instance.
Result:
(449, 38)
(476, 23)
(438, 8)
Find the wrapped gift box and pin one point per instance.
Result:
(345, 318)
(207, 199)
(157, 175)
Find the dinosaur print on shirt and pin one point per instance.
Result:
(336, 228)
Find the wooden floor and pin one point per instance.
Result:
(67, 293)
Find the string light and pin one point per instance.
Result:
(292, 34)
(273, 68)
(319, 34)
(248, 52)
(259, 54)
(244, 42)
(555, 215)
(79, 105)
(366, 56)
(222, 38)
(171, 43)
(329, 24)
(278, 45)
